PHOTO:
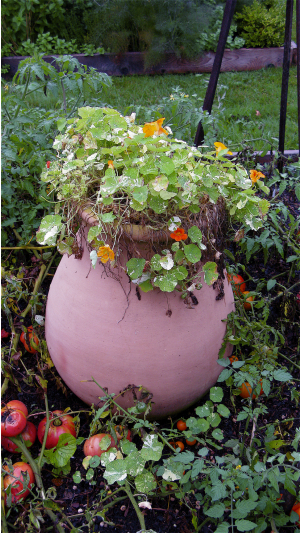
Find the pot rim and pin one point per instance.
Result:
(134, 232)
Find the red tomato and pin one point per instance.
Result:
(13, 421)
(191, 442)
(247, 304)
(58, 426)
(28, 338)
(246, 390)
(91, 445)
(238, 282)
(28, 434)
(181, 425)
(16, 404)
(17, 484)
(233, 358)
(120, 432)
(296, 509)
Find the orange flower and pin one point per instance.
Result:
(179, 235)
(110, 164)
(221, 146)
(105, 253)
(255, 175)
(152, 128)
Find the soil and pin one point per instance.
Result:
(168, 514)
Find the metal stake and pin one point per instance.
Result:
(211, 89)
(285, 78)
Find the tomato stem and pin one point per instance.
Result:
(135, 505)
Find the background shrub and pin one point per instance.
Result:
(262, 24)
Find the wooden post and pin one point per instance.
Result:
(211, 89)
(285, 78)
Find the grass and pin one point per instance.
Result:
(239, 96)
(246, 93)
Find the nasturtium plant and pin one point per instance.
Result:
(138, 178)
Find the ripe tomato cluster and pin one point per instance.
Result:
(181, 426)
(239, 289)
(14, 423)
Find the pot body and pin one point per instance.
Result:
(102, 328)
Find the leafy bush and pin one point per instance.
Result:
(262, 25)
(154, 27)
(46, 44)
(25, 19)
(28, 133)
(209, 39)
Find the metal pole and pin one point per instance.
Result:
(298, 64)
(285, 78)
(211, 89)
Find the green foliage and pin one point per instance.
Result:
(28, 133)
(279, 232)
(261, 26)
(112, 162)
(25, 19)
(156, 27)
(46, 44)
(209, 39)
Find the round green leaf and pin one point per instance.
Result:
(135, 267)
(192, 253)
(145, 482)
(216, 394)
(210, 272)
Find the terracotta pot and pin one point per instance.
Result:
(99, 327)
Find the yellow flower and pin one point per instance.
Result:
(105, 253)
(152, 128)
(172, 97)
(255, 175)
(221, 146)
(238, 467)
(110, 164)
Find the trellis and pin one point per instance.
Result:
(211, 89)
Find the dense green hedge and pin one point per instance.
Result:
(187, 28)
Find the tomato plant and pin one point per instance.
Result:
(238, 283)
(121, 431)
(181, 425)
(28, 434)
(92, 445)
(246, 390)
(60, 423)
(28, 339)
(13, 421)
(17, 485)
(247, 304)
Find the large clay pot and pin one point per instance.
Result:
(97, 327)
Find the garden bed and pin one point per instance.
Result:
(169, 512)
(131, 63)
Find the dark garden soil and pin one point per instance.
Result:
(168, 514)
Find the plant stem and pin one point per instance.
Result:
(135, 505)
(25, 247)
(288, 359)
